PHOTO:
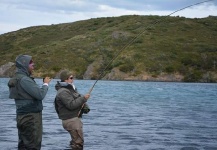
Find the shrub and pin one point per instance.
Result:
(193, 76)
(170, 69)
(126, 68)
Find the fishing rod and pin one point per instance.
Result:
(133, 40)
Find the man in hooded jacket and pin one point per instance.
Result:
(70, 105)
(28, 98)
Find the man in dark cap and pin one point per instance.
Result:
(70, 105)
(28, 98)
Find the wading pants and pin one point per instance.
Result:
(29, 131)
(75, 128)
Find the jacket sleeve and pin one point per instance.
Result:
(70, 102)
(33, 89)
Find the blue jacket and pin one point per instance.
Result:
(27, 94)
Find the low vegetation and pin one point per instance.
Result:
(173, 45)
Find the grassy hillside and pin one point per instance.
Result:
(173, 45)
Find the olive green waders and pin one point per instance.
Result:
(75, 127)
(29, 131)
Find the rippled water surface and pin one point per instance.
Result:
(128, 116)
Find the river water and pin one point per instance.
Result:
(127, 115)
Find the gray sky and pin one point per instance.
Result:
(17, 14)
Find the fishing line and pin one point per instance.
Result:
(133, 40)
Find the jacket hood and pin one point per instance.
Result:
(62, 84)
(22, 64)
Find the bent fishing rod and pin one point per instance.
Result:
(102, 74)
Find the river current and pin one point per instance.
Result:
(127, 115)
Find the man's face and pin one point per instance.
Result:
(70, 79)
(31, 67)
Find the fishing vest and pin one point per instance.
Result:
(15, 89)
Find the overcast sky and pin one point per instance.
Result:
(17, 14)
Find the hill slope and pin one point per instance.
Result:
(175, 46)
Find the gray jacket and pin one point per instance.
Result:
(27, 94)
(68, 101)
